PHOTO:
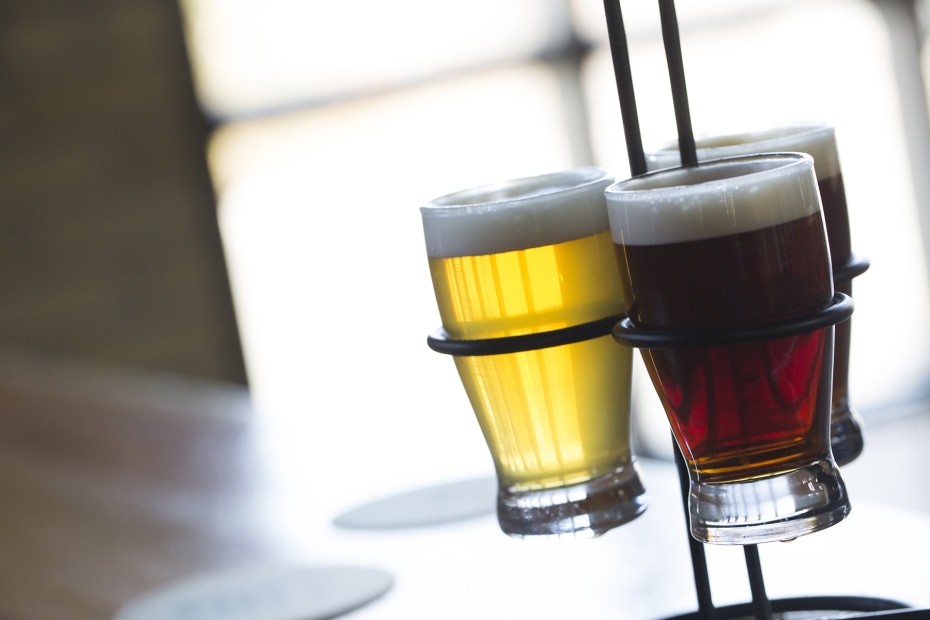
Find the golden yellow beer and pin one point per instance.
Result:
(533, 256)
(552, 416)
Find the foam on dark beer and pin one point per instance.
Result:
(814, 138)
(715, 199)
(531, 212)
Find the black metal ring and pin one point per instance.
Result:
(854, 267)
(440, 342)
(884, 608)
(626, 333)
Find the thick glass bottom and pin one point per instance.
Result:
(775, 508)
(583, 510)
(846, 434)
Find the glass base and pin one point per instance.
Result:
(776, 508)
(584, 510)
(846, 436)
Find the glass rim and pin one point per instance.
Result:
(713, 198)
(745, 167)
(817, 138)
(760, 136)
(519, 214)
(516, 192)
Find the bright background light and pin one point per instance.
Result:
(337, 120)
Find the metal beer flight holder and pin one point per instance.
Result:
(623, 331)
(761, 607)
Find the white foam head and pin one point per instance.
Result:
(713, 199)
(518, 214)
(814, 138)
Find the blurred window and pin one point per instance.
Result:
(335, 120)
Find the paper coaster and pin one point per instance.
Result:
(436, 505)
(262, 593)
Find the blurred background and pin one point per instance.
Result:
(334, 122)
(228, 190)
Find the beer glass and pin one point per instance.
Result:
(525, 261)
(730, 247)
(818, 140)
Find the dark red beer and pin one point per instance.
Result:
(712, 250)
(748, 410)
(818, 140)
(847, 434)
(744, 410)
(752, 277)
(836, 215)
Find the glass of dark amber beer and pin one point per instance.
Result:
(522, 261)
(817, 139)
(724, 247)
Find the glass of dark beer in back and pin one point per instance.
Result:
(730, 245)
(818, 140)
(533, 256)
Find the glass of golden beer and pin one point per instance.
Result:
(818, 140)
(522, 262)
(728, 248)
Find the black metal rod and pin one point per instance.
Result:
(706, 610)
(623, 74)
(761, 605)
(676, 74)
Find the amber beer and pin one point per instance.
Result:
(710, 391)
(819, 141)
(531, 256)
(732, 244)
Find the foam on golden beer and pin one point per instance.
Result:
(715, 199)
(816, 139)
(524, 213)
